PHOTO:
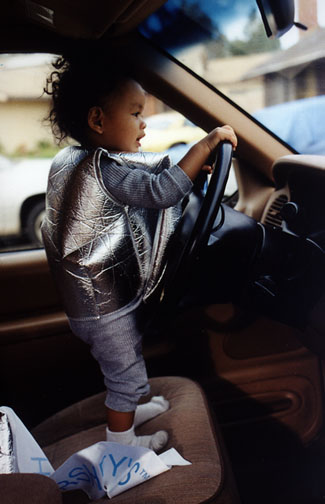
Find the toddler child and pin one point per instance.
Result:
(111, 211)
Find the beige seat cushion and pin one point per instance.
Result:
(191, 432)
(28, 488)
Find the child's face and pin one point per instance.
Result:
(120, 126)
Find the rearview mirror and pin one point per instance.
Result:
(278, 16)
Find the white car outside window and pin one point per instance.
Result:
(22, 194)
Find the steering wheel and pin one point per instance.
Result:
(197, 222)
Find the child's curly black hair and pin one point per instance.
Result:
(79, 82)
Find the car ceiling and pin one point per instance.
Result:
(26, 22)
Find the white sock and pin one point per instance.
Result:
(154, 442)
(151, 409)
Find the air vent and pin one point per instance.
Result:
(273, 217)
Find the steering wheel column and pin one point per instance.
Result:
(199, 218)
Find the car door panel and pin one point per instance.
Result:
(26, 285)
(275, 379)
(39, 354)
(265, 386)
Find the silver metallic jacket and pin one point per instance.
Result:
(8, 462)
(104, 255)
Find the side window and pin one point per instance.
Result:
(27, 146)
(26, 149)
(168, 130)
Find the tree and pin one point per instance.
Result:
(255, 40)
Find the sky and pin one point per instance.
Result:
(222, 13)
(232, 16)
(321, 12)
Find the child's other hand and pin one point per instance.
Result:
(207, 168)
(223, 133)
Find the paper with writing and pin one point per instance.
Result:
(103, 468)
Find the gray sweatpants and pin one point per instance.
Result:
(116, 343)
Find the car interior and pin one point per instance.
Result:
(237, 323)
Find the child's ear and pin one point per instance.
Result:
(95, 119)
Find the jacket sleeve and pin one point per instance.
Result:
(133, 182)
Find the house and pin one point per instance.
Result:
(296, 71)
(227, 75)
(23, 105)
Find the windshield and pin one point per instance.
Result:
(280, 82)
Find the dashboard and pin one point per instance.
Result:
(290, 269)
(274, 267)
(298, 204)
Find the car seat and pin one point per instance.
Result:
(191, 432)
